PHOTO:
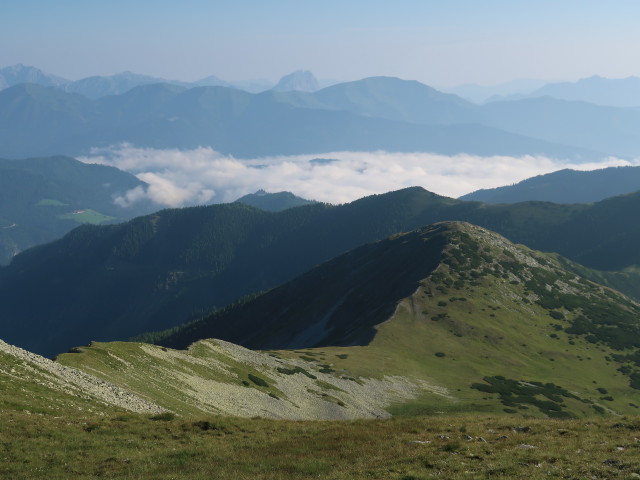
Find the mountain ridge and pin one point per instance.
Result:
(491, 327)
(273, 201)
(157, 271)
(15, 74)
(616, 92)
(565, 186)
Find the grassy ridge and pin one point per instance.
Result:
(452, 447)
(215, 377)
(493, 309)
(495, 327)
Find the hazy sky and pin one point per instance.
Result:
(443, 42)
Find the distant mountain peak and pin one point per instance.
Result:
(19, 73)
(273, 202)
(300, 80)
(212, 81)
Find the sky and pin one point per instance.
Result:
(438, 42)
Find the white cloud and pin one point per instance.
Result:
(189, 177)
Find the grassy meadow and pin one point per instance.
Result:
(452, 446)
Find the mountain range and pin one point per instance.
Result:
(17, 74)
(98, 86)
(36, 120)
(616, 92)
(378, 113)
(154, 272)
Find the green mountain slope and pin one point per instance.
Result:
(41, 199)
(463, 318)
(610, 232)
(565, 186)
(353, 293)
(158, 271)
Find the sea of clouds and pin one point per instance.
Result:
(200, 176)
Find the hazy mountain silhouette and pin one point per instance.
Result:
(605, 129)
(483, 93)
(35, 120)
(101, 86)
(616, 92)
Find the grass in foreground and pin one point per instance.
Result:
(452, 447)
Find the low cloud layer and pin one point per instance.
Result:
(201, 176)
